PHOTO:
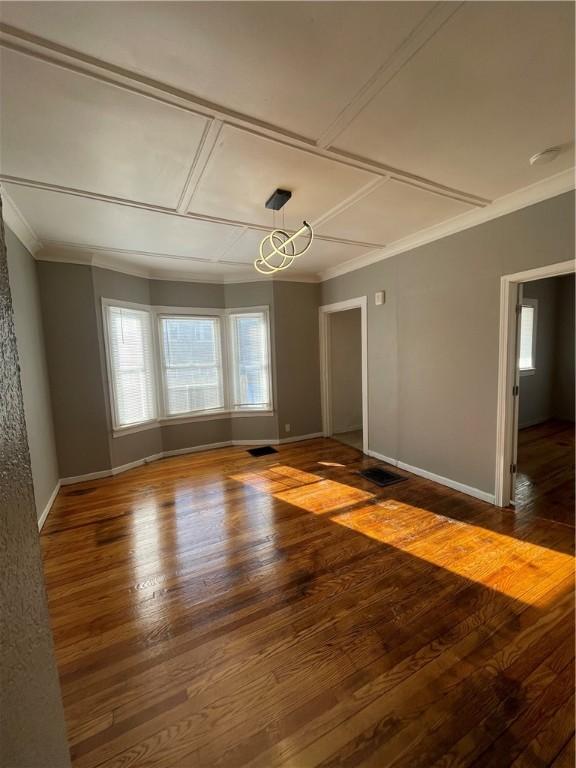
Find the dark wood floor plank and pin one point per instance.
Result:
(219, 610)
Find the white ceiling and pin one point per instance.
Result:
(151, 134)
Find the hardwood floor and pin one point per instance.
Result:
(220, 610)
(545, 480)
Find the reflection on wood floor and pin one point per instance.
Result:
(220, 610)
(545, 480)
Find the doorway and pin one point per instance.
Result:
(343, 349)
(535, 448)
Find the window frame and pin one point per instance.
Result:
(161, 315)
(113, 400)
(533, 303)
(258, 310)
(160, 392)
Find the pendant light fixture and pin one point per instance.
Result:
(278, 250)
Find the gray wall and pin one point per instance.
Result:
(346, 370)
(297, 358)
(33, 371)
(563, 389)
(433, 346)
(548, 392)
(74, 366)
(72, 297)
(32, 729)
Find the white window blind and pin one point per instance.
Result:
(250, 360)
(131, 364)
(527, 337)
(192, 364)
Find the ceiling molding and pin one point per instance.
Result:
(354, 198)
(522, 198)
(27, 44)
(417, 39)
(16, 221)
(203, 155)
(86, 258)
(42, 185)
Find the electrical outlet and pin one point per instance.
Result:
(286, 427)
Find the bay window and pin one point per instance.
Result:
(166, 364)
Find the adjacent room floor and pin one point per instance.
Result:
(221, 610)
(353, 439)
(545, 479)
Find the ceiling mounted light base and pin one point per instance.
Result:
(278, 199)
(541, 158)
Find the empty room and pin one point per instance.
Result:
(287, 337)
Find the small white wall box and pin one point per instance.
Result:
(379, 298)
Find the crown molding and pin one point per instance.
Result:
(87, 257)
(14, 219)
(514, 201)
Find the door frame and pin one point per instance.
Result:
(324, 313)
(506, 432)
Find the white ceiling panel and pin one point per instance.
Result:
(74, 131)
(245, 169)
(493, 87)
(392, 211)
(72, 219)
(294, 65)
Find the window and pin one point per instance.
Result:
(250, 360)
(169, 364)
(192, 364)
(528, 326)
(131, 365)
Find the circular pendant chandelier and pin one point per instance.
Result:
(278, 250)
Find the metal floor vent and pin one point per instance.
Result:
(381, 476)
(264, 451)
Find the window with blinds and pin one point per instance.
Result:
(131, 360)
(250, 360)
(528, 335)
(192, 364)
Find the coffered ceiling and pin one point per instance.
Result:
(147, 136)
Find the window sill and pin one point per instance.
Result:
(527, 371)
(188, 418)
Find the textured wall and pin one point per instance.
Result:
(33, 370)
(433, 346)
(32, 730)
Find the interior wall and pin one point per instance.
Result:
(32, 728)
(563, 388)
(433, 344)
(346, 370)
(33, 371)
(72, 298)
(535, 403)
(549, 392)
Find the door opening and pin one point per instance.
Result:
(535, 429)
(343, 368)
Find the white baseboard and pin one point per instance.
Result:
(297, 438)
(381, 457)
(48, 507)
(468, 489)
(83, 478)
(178, 452)
(195, 449)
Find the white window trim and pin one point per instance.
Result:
(265, 310)
(116, 428)
(526, 302)
(156, 312)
